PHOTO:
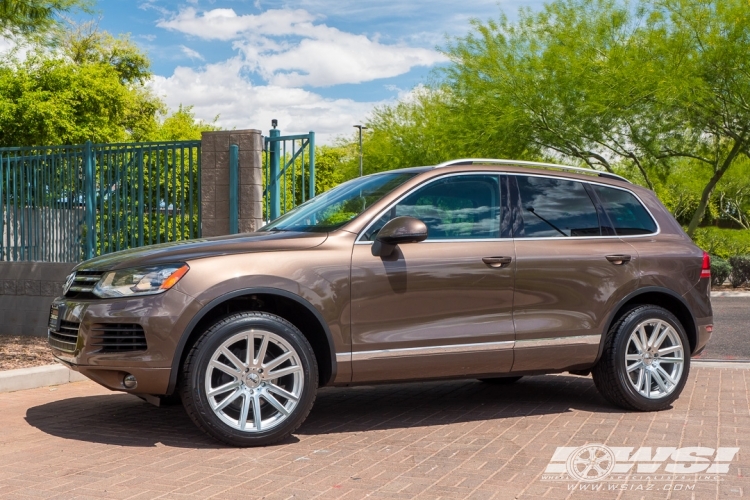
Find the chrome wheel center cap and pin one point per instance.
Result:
(251, 379)
(648, 359)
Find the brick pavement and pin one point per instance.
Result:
(457, 439)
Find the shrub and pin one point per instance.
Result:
(720, 270)
(740, 270)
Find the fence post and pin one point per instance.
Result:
(89, 187)
(274, 153)
(140, 198)
(234, 186)
(311, 143)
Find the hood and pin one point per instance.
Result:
(182, 251)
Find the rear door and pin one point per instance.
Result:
(571, 271)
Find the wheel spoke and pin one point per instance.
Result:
(262, 351)
(223, 388)
(281, 392)
(226, 369)
(250, 350)
(660, 339)
(635, 366)
(229, 399)
(663, 373)
(244, 411)
(277, 361)
(283, 372)
(233, 359)
(659, 381)
(275, 403)
(647, 385)
(257, 417)
(642, 339)
(639, 382)
(670, 350)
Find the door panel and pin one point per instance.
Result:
(435, 307)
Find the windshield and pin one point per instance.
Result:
(338, 206)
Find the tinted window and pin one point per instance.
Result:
(552, 207)
(457, 207)
(626, 212)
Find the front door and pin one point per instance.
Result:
(568, 276)
(442, 307)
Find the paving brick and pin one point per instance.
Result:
(457, 439)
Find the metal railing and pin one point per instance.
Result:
(67, 203)
(288, 173)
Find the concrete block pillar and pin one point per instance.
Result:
(215, 181)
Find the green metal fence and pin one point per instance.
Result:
(67, 203)
(289, 172)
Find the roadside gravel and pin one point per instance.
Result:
(24, 352)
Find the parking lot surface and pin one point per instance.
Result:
(456, 439)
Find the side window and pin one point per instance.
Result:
(551, 207)
(627, 214)
(457, 207)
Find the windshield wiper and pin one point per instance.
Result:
(531, 209)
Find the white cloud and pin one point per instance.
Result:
(286, 48)
(221, 89)
(192, 54)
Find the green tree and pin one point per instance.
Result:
(93, 88)
(35, 17)
(609, 84)
(181, 125)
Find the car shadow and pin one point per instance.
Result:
(125, 420)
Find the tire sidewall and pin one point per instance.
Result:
(620, 346)
(218, 335)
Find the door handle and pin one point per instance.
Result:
(618, 260)
(497, 261)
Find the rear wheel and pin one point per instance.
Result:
(250, 380)
(501, 380)
(646, 360)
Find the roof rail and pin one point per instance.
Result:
(523, 163)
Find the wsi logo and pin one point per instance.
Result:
(596, 462)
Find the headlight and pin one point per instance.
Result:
(140, 281)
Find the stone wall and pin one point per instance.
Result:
(26, 292)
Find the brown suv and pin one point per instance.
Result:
(487, 269)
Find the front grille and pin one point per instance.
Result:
(118, 337)
(66, 338)
(83, 285)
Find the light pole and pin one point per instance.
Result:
(360, 127)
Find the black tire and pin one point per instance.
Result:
(193, 380)
(610, 373)
(501, 380)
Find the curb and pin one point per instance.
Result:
(730, 294)
(37, 376)
(715, 363)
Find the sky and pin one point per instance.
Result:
(319, 65)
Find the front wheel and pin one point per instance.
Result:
(646, 360)
(250, 380)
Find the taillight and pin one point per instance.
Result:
(706, 268)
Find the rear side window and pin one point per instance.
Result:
(627, 214)
(547, 208)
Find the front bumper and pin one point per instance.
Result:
(163, 319)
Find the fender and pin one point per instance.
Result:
(631, 296)
(237, 293)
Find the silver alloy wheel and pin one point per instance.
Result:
(654, 358)
(254, 381)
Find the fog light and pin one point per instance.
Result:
(129, 382)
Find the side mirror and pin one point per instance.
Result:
(397, 231)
